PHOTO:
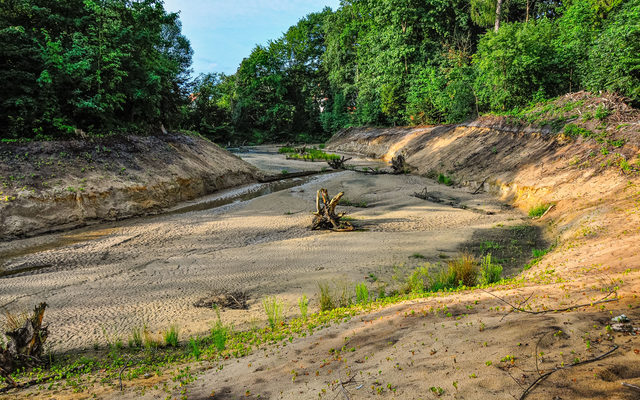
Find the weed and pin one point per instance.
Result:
(602, 112)
(136, 338)
(195, 348)
(418, 256)
(437, 390)
(326, 300)
(445, 180)
(284, 172)
(419, 280)
(303, 303)
(346, 202)
(273, 309)
(489, 272)
(538, 211)
(464, 268)
(362, 293)
(574, 130)
(219, 332)
(171, 336)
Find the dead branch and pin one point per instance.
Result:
(630, 386)
(481, 186)
(548, 209)
(546, 375)
(605, 299)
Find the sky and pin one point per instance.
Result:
(223, 32)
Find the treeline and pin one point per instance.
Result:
(81, 67)
(397, 62)
(88, 67)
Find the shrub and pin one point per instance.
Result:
(273, 309)
(464, 270)
(171, 336)
(445, 180)
(326, 300)
(340, 295)
(489, 272)
(419, 280)
(362, 293)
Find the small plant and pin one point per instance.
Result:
(602, 112)
(273, 309)
(219, 332)
(419, 280)
(538, 211)
(437, 390)
(465, 270)
(284, 172)
(303, 303)
(326, 300)
(362, 293)
(445, 180)
(136, 338)
(417, 256)
(195, 348)
(489, 272)
(171, 336)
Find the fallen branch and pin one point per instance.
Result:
(630, 386)
(605, 299)
(548, 209)
(480, 187)
(339, 163)
(546, 375)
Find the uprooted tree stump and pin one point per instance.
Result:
(338, 163)
(25, 345)
(398, 164)
(325, 216)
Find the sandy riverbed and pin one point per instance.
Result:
(109, 279)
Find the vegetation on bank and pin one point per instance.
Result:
(86, 68)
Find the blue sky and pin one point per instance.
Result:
(222, 33)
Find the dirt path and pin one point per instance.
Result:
(151, 271)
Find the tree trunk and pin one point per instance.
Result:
(498, 11)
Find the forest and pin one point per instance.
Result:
(96, 67)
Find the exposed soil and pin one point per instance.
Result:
(59, 185)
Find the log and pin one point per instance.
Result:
(325, 216)
(25, 346)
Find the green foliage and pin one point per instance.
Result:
(219, 332)
(171, 336)
(84, 65)
(195, 348)
(419, 280)
(303, 304)
(575, 130)
(538, 211)
(445, 180)
(489, 272)
(325, 298)
(273, 309)
(362, 293)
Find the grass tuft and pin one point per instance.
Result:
(273, 309)
(489, 272)
(171, 336)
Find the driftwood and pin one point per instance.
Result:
(398, 164)
(339, 163)
(325, 216)
(25, 345)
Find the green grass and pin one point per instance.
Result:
(362, 293)
(349, 203)
(539, 210)
(219, 332)
(273, 308)
(171, 336)
(309, 154)
(489, 271)
(303, 304)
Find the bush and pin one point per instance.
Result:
(273, 309)
(445, 180)
(419, 280)
(489, 272)
(340, 295)
(464, 270)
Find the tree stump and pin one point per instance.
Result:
(325, 216)
(25, 345)
(339, 163)
(398, 164)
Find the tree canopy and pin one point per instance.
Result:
(102, 66)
